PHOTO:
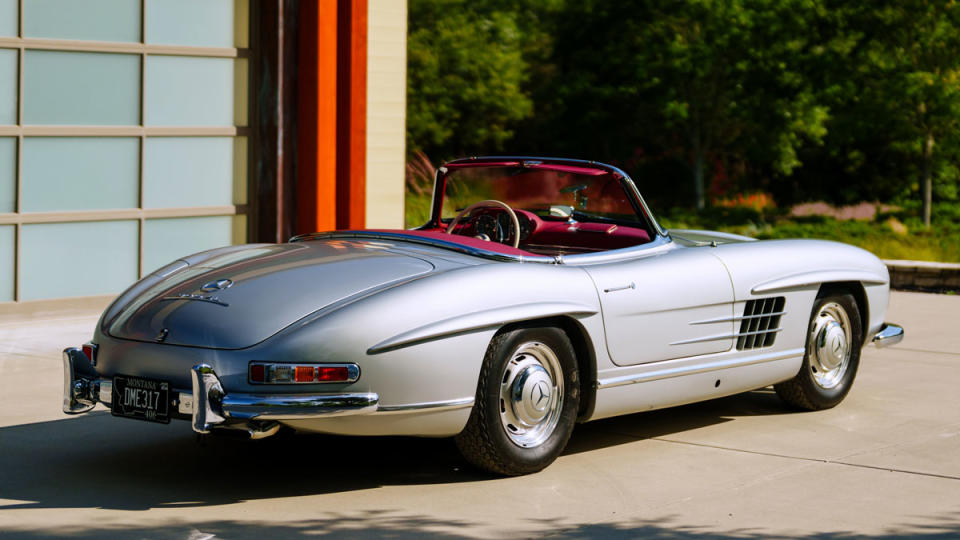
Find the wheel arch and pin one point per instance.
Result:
(856, 289)
(582, 347)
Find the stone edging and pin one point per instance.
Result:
(923, 275)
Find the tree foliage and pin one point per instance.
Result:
(806, 99)
(465, 77)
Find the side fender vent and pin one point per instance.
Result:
(760, 323)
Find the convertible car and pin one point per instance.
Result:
(541, 293)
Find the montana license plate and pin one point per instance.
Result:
(141, 398)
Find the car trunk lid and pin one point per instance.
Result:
(244, 297)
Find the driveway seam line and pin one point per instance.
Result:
(815, 460)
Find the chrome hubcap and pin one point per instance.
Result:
(830, 345)
(530, 397)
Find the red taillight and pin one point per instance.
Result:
(332, 374)
(257, 373)
(304, 374)
(278, 373)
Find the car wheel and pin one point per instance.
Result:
(526, 405)
(834, 340)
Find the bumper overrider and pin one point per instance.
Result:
(889, 334)
(209, 406)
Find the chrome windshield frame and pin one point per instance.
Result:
(626, 181)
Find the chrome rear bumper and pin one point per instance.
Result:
(211, 405)
(207, 403)
(889, 334)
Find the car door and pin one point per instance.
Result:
(674, 305)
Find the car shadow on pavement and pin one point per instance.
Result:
(663, 422)
(397, 525)
(103, 462)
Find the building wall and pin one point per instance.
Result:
(125, 138)
(386, 112)
(122, 139)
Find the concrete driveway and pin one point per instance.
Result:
(885, 463)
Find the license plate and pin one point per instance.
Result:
(141, 398)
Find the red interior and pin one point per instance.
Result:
(469, 241)
(561, 236)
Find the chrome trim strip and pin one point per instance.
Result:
(480, 320)
(434, 242)
(889, 334)
(815, 278)
(298, 407)
(726, 336)
(739, 318)
(671, 372)
(432, 406)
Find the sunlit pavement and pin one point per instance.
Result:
(885, 463)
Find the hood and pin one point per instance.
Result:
(243, 297)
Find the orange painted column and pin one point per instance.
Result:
(317, 70)
(332, 115)
(352, 115)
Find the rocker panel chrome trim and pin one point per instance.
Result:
(716, 365)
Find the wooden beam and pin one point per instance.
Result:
(317, 117)
(352, 115)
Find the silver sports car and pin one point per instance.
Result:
(541, 293)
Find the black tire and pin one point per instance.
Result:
(487, 442)
(816, 386)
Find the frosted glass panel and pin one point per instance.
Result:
(8, 18)
(105, 253)
(165, 240)
(96, 20)
(7, 260)
(189, 91)
(81, 88)
(8, 86)
(79, 173)
(187, 171)
(207, 23)
(8, 175)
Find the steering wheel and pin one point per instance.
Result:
(488, 203)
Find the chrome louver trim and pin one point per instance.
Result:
(760, 323)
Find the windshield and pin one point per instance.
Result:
(550, 191)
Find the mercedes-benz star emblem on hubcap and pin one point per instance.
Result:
(217, 285)
(541, 393)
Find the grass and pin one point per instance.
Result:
(416, 209)
(887, 237)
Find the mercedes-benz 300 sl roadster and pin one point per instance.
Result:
(540, 294)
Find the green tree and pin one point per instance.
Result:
(465, 77)
(919, 59)
(716, 77)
